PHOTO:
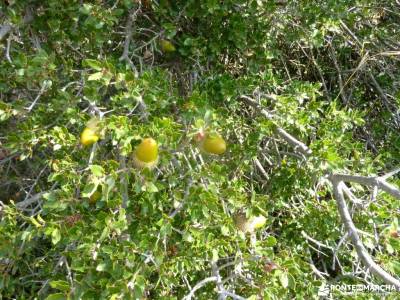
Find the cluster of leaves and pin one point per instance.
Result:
(319, 67)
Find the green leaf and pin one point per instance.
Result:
(101, 267)
(34, 222)
(270, 241)
(97, 170)
(284, 280)
(151, 187)
(86, 9)
(215, 255)
(94, 64)
(60, 285)
(55, 236)
(89, 189)
(225, 230)
(188, 237)
(95, 76)
(57, 296)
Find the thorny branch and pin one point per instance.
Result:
(128, 37)
(222, 292)
(337, 181)
(281, 132)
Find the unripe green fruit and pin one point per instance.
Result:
(95, 197)
(167, 46)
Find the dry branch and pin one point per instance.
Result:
(128, 37)
(337, 181)
(280, 131)
(5, 29)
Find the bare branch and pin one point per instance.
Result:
(337, 182)
(281, 132)
(199, 285)
(183, 202)
(220, 286)
(340, 79)
(369, 181)
(8, 57)
(7, 28)
(318, 243)
(35, 198)
(261, 168)
(4, 30)
(232, 295)
(128, 37)
(45, 85)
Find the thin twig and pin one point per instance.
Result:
(183, 202)
(123, 181)
(340, 78)
(281, 132)
(318, 243)
(8, 57)
(42, 90)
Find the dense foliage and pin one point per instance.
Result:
(82, 222)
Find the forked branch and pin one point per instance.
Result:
(337, 181)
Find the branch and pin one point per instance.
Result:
(45, 85)
(4, 30)
(369, 181)
(261, 168)
(128, 38)
(280, 131)
(340, 79)
(232, 295)
(7, 28)
(199, 285)
(337, 182)
(220, 286)
(35, 198)
(318, 243)
(123, 181)
(183, 202)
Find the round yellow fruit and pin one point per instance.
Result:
(167, 46)
(146, 154)
(248, 225)
(89, 136)
(213, 144)
(258, 222)
(147, 150)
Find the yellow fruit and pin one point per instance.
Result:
(248, 225)
(258, 222)
(89, 136)
(213, 144)
(167, 46)
(146, 154)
